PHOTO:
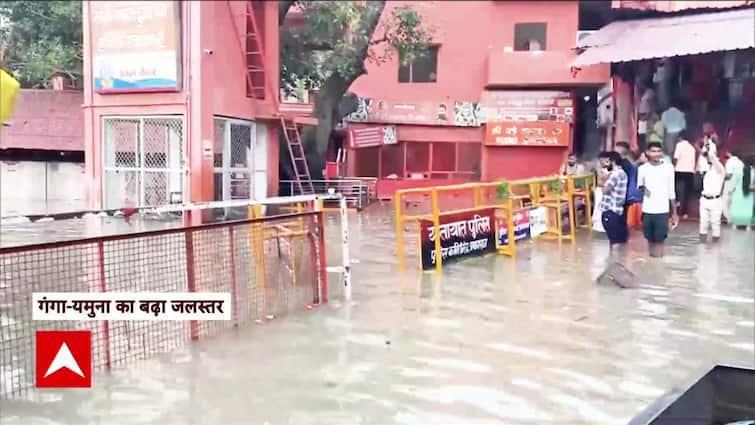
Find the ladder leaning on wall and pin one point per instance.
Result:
(258, 86)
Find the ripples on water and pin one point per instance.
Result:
(494, 341)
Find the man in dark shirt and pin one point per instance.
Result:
(633, 193)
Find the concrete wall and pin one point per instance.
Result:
(213, 84)
(32, 187)
(467, 32)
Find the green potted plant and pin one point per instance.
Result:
(502, 191)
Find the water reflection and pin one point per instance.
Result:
(495, 340)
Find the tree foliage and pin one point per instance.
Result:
(336, 38)
(39, 38)
(327, 50)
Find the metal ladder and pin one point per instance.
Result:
(254, 61)
(298, 159)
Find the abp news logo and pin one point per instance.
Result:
(64, 359)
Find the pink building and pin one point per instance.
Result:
(495, 99)
(171, 111)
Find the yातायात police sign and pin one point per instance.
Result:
(461, 235)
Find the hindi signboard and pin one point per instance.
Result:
(526, 105)
(530, 133)
(461, 235)
(521, 221)
(136, 46)
(365, 137)
(443, 113)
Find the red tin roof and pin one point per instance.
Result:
(46, 120)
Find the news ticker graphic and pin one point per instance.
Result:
(82, 306)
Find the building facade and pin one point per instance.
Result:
(171, 111)
(495, 98)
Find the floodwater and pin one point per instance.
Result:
(531, 340)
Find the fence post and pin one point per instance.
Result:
(103, 288)
(234, 283)
(345, 256)
(436, 224)
(190, 277)
(257, 244)
(399, 222)
(322, 267)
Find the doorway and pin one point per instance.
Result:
(240, 160)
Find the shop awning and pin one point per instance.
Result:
(640, 39)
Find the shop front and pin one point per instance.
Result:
(703, 65)
(407, 145)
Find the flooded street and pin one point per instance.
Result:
(530, 340)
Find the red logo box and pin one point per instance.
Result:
(64, 359)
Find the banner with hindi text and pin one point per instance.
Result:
(461, 235)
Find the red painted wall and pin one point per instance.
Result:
(469, 34)
(213, 84)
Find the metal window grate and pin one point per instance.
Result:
(144, 160)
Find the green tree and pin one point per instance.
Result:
(39, 38)
(328, 51)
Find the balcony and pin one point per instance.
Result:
(543, 68)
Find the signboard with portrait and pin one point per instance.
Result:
(527, 133)
(458, 113)
(136, 46)
(461, 235)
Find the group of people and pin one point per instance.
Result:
(651, 190)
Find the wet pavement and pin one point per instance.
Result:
(494, 341)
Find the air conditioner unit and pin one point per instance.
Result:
(583, 34)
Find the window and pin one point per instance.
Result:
(530, 36)
(423, 69)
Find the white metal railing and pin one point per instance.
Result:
(358, 192)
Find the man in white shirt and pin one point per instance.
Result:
(655, 179)
(684, 171)
(711, 205)
(734, 165)
(674, 122)
(709, 144)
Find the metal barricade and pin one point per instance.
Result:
(359, 192)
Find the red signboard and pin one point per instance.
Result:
(365, 137)
(527, 133)
(64, 359)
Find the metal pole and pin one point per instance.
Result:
(345, 257)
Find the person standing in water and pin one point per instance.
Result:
(711, 205)
(656, 181)
(614, 198)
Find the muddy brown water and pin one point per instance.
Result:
(531, 340)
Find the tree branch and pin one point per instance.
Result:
(382, 39)
(283, 8)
